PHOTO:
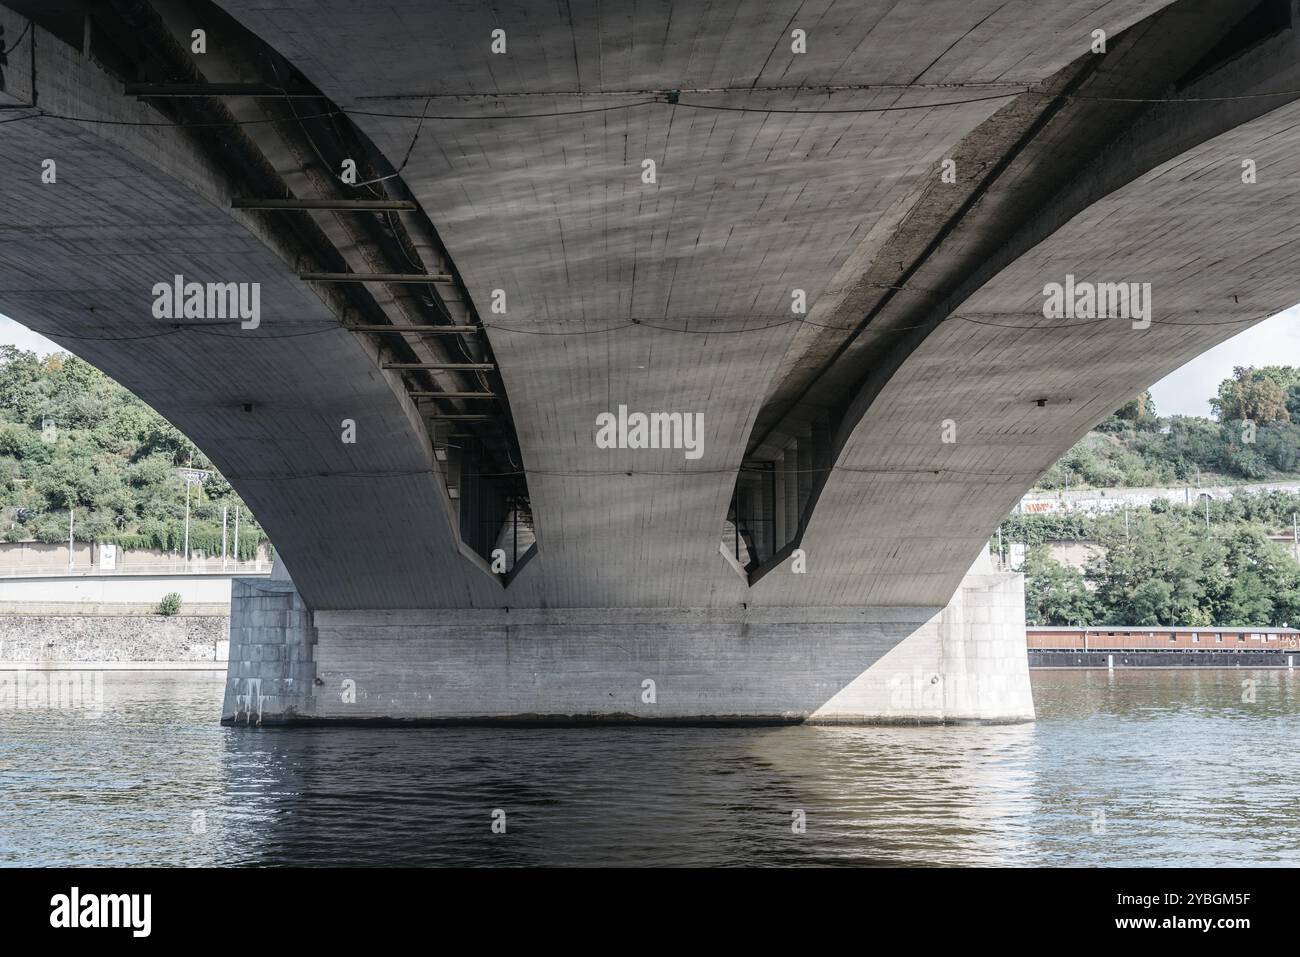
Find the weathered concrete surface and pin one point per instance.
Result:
(750, 203)
(964, 662)
(972, 667)
(671, 296)
(676, 296)
(211, 592)
(1218, 255)
(135, 205)
(747, 206)
(272, 644)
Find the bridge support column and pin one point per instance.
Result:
(271, 674)
(962, 663)
(969, 664)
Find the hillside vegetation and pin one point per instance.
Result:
(1174, 564)
(72, 438)
(1254, 437)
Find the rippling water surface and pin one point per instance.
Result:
(1139, 767)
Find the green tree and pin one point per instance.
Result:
(1259, 395)
(1137, 414)
(109, 456)
(1154, 572)
(1055, 594)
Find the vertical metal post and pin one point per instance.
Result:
(71, 512)
(236, 536)
(187, 521)
(224, 510)
(769, 513)
(735, 521)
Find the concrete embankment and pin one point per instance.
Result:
(110, 620)
(110, 642)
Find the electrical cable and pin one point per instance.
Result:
(19, 40)
(330, 326)
(664, 99)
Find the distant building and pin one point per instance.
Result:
(1153, 638)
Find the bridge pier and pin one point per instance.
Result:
(965, 662)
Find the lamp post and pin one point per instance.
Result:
(191, 476)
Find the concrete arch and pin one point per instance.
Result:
(537, 191)
(986, 357)
(137, 204)
(774, 173)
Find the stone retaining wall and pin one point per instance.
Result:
(31, 639)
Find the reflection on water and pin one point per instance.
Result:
(1136, 767)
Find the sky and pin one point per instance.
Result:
(1275, 341)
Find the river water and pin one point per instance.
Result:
(1141, 767)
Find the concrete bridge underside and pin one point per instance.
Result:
(776, 171)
